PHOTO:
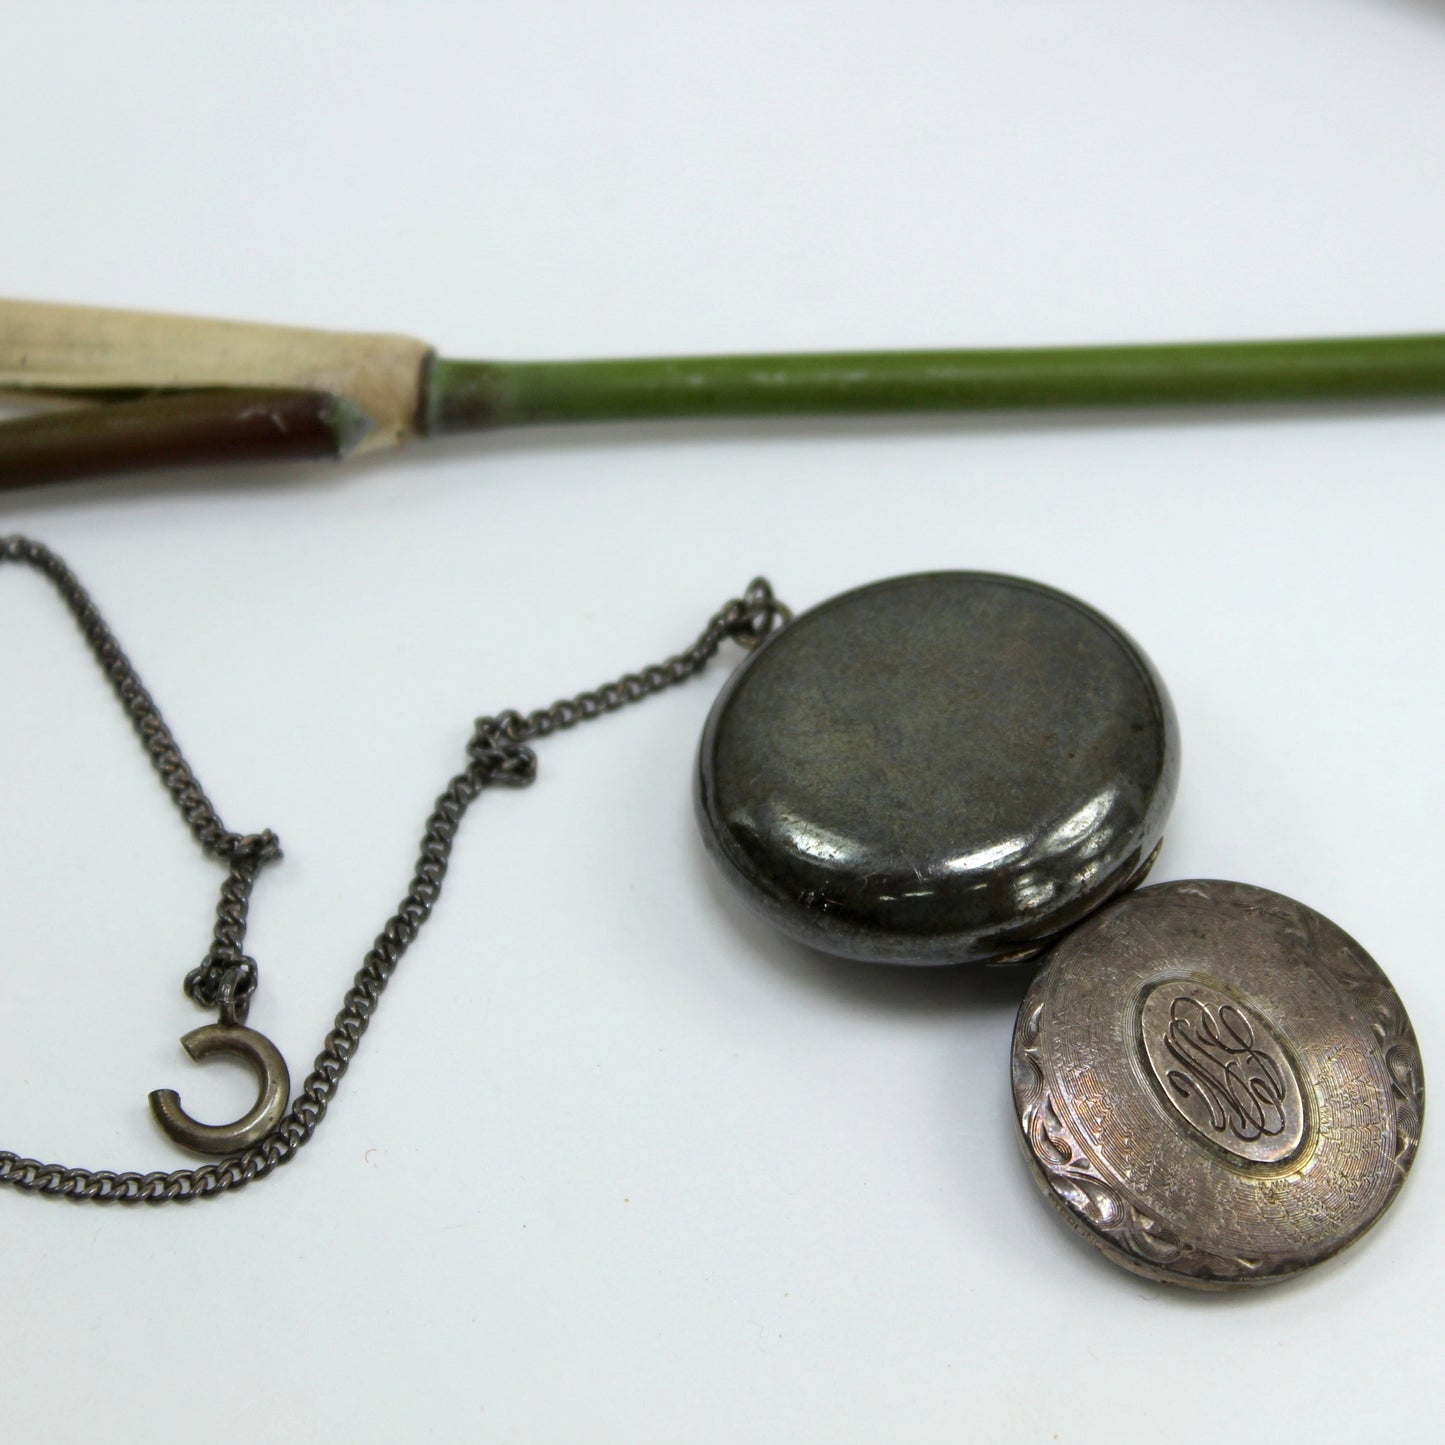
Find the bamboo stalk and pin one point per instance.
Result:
(180, 391)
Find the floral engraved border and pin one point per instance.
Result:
(1371, 995)
(1096, 1202)
(1395, 1040)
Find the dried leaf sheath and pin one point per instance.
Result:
(90, 351)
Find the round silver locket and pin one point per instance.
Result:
(949, 768)
(1215, 1085)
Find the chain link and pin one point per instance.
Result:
(498, 754)
(226, 978)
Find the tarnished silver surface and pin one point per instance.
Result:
(1216, 1085)
(273, 1081)
(948, 768)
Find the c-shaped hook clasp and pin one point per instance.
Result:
(271, 1073)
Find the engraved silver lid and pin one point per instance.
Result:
(1216, 1085)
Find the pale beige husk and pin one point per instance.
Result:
(52, 348)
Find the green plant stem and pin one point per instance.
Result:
(469, 395)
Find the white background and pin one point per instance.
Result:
(615, 1164)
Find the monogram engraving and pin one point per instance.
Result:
(1222, 1071)
(1240, 1084)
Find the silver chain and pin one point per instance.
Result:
(226, 979)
